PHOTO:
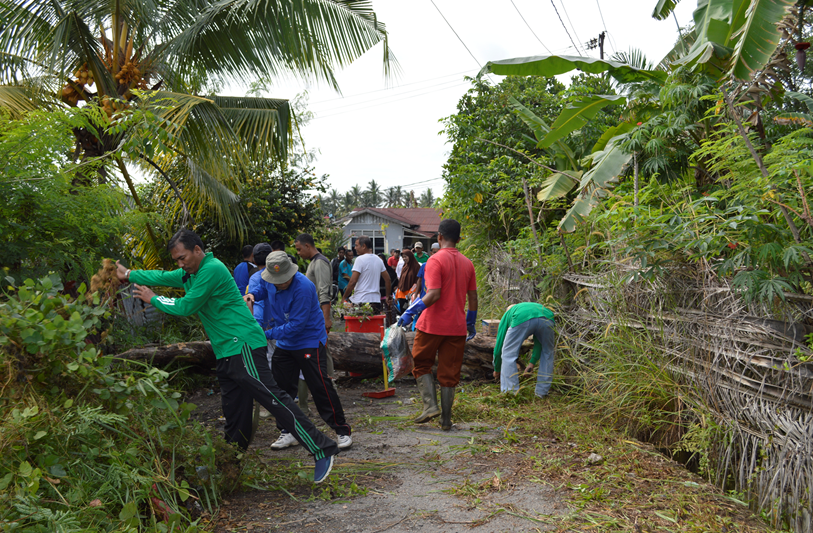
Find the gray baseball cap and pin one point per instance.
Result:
(278, 268)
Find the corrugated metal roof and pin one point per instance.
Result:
(424, 220)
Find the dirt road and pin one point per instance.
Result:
(508, 465)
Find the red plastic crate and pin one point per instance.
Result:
(370, 324)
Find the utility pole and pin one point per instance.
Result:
(601, 44)
(592, 44)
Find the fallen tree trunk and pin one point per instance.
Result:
(352, 352)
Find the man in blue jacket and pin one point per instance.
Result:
(299, 329)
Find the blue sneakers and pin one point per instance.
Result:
(322, 469)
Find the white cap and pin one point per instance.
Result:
(436, 246)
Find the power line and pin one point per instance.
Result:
(458, 37)
(604, 23)
(565, 27)
(529, 27)
(389, 88)
(569, 22)
(455, 82)
(390, 102)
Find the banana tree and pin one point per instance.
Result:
(160, 62)
(734, 38)
(593, 176)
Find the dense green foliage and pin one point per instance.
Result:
(50, 218)
(89, 443)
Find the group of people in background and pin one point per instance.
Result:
(269, 324)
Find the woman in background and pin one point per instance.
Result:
(409, 276)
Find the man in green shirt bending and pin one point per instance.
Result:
(519, 322)
(237, 340)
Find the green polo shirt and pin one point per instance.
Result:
(513, 317)
(422, 258)
(212, 294)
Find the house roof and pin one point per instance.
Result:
(423, 220)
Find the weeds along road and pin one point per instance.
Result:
(510, 464)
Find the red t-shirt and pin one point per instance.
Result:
(452, 273)
(392, 261)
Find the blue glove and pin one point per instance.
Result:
(413, 310)
(471, 319)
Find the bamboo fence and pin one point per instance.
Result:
(745, 363)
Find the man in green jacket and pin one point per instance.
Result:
(519, 322)
(237, 340)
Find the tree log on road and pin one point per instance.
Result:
(352, 352)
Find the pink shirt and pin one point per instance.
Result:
(452, 273)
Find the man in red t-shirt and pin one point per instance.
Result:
(444, 326)
(395, 255)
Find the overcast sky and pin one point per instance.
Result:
(390, 132)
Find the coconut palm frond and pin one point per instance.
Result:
(309, 38)
(198, 129)
(263, 124)
(19, 100)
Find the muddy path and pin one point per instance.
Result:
(521, 466)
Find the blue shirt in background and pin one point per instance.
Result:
(423, 280)
(298, 320)
(263, 318)
(241, 275)
(344, 268)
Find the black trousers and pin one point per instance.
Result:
(312, 362)
(245, 378)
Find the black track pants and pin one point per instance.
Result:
(313, 364)
(246, 377)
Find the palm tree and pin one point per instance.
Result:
(389, 197)
(144, 65)
(394, 196)
(357, 195)
(374, 195)
(427, 198)
(334, 200)
(349, 202)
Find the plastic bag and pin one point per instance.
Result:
(396, 353)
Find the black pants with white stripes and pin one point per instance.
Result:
(245, 378)
(312, 362)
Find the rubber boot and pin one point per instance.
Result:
(426, 386)
(446, 401)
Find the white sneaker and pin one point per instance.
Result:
(345, 441)
(285, 440)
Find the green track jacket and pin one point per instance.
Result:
(212, 294)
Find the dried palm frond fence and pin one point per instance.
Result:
(744, 365)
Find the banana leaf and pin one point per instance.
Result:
(554, 65)
(576, 115)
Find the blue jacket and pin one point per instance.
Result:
(297, 315)
(263, 318)
(241, 276)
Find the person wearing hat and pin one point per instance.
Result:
(237, 341)
(299, 329)
(421, 256)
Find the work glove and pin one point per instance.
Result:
(411, 312)
(471, 319)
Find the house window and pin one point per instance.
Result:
(376, 236)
